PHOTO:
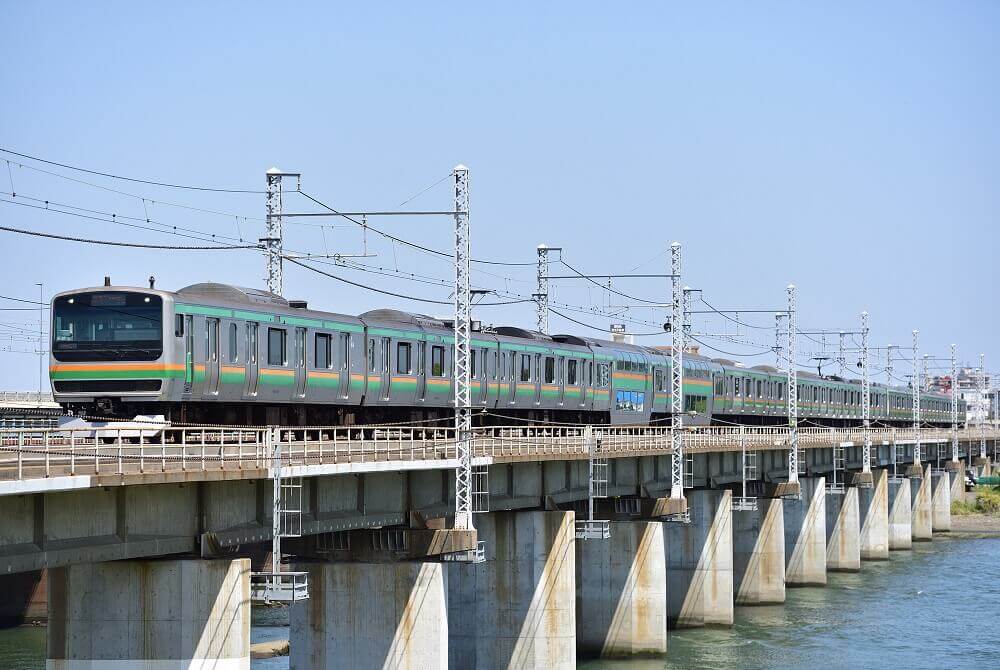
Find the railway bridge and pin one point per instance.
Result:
(578, 547)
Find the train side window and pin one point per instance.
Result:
(233, 350)
(372, 360)
(496, 364)
(571, 372)
(178, 325)
(277, 340)
(513, 362)
(525, 368)
(550, 370)
(437, 361)
(403, 351)
(322, 357)
(472, 369)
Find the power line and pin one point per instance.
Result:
(608, 288)
(431, 301)
(110, 243)
(598, 328)
(115, 218)
(30, 302)
(407, 242)
(154, 201)
(131, 179)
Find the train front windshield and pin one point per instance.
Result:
(113, 326)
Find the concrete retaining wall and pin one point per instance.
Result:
(621, 592)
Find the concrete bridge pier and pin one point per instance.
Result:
(805, 534)
(516, 609)
(956, 471)
(621, 592)
(371, 615)
(900, 515)
(168, 615)
(700, 562)
(920, 506)
(873, 506)
(941, 501)
(759, 554)
(843, 531)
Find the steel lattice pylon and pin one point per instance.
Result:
(954, 406)
(272, 242)
(463, 309)
(542, 296)
(983, 403)
(676, 375)
(866, 397)
(916, 383)
(793, 393)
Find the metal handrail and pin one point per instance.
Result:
(27, 453)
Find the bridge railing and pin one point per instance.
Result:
(147, 448)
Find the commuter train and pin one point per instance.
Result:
(214, 353)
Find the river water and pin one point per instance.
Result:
(934, 607)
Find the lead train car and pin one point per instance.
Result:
(213, 353)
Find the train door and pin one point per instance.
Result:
(484, 375)
(344, 351)
(386, 377)
(421, 371)
(561, 378)
(211, 356)
(300, 362)
(538, 378)
(513, 371)
(252, 365)
(188, 352)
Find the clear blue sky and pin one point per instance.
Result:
(851, 148)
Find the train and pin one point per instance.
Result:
(213, 353)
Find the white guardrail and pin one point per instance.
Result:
(136, 448)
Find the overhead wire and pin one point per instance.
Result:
(155, 201)
(110, 175)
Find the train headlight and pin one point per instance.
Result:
(146, 299)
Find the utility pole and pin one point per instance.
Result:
(866, 397)
(676, 374)
(273, 243)
(542, 295)
(954, 407)
(793, 393)
(463, 309)
(916, 384)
